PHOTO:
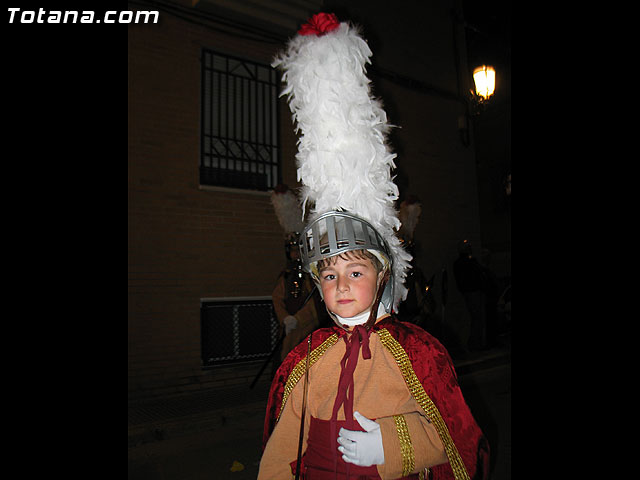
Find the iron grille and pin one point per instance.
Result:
(240, 138)
(234, 331)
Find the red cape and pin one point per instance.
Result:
(430, 362)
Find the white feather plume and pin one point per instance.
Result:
(343, 159)
(287, 208)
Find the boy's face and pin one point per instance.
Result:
(349, 286)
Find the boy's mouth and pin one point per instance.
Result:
(344, 302)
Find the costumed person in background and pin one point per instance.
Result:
(296, 301)
(470, 280)
(420, 306)
(369, 397)
(492, 296)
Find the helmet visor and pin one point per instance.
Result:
(337, 232)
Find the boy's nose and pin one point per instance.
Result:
(343, 285)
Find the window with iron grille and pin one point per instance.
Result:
(237, 330)
(239, 123)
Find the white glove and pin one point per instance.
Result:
(362, 448)
(290, 323)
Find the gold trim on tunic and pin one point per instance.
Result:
(406, 447)
(419, 394)
(298, 371)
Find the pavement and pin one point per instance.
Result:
(216, 434)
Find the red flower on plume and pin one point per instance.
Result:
(320, 24)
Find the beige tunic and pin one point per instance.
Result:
(380, 392)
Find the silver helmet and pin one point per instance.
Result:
(336, 232)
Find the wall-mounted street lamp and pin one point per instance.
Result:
(484, 78)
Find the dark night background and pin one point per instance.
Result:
(66, 99)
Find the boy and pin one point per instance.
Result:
(382, 399)
(369, 397)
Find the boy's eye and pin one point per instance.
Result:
(329, 276)
(356, 274)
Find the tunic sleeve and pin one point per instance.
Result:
(411, 444)
(282, 447)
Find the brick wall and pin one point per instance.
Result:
(186, 242)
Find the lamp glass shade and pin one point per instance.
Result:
(485, 79)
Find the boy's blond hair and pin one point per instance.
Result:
(351, 255)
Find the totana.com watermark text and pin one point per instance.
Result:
(17, 15)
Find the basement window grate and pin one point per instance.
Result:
(234, 331)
